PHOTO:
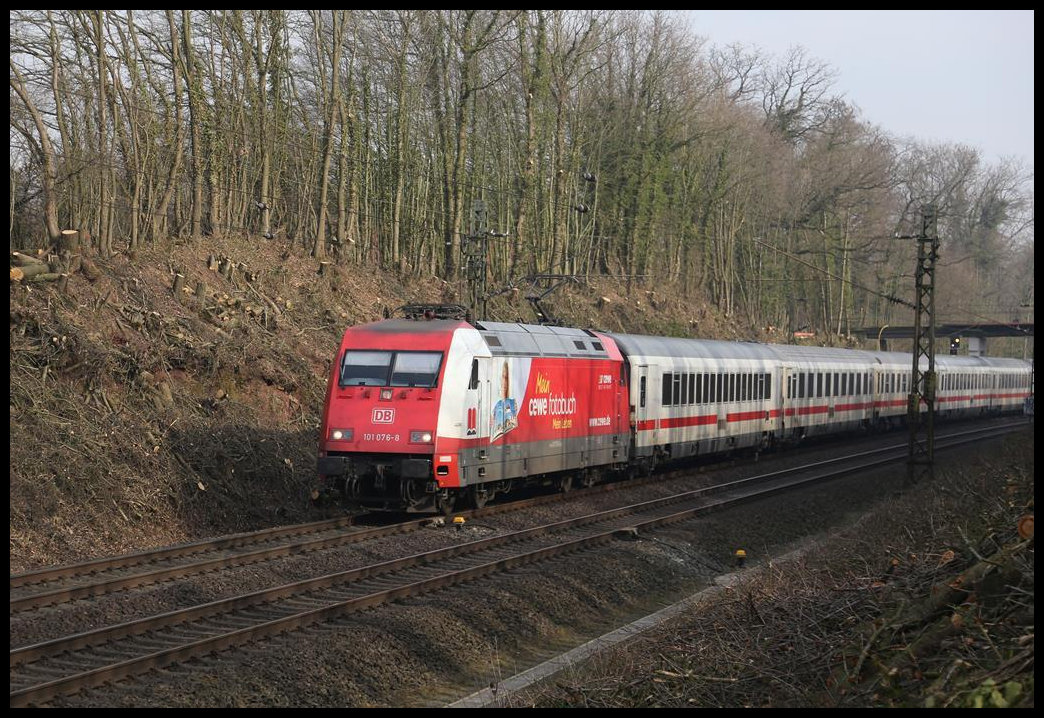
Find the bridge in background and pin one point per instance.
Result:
(975, 334)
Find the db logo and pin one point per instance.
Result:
(383, 416)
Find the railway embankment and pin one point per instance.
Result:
(142, 417)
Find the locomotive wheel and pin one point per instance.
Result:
(565, 484)
(589, 479)
(479, 496)
(445, 505)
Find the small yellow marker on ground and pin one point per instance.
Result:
(741, 556)
(458, 521)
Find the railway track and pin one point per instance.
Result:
(62, 584)
(42, 671)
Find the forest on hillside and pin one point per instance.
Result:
(613, 143)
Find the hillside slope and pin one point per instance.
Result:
(140, 418)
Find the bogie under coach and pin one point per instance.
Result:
(430, 415)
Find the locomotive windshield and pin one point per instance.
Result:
(370, 368)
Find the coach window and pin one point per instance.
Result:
(692, 388)
(641, 392)
(768, 386)
(684, 389)
(746, 386)
(676, 394)
(699, 388)
(667, 387)
(732, 387)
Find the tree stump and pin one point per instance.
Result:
(89, 270)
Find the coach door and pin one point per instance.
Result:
(646, 401)
(788, 392)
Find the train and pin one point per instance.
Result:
(431, 414)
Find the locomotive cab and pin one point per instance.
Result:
(380, 428)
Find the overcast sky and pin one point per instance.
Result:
(942, 76)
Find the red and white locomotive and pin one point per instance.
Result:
(424, 415)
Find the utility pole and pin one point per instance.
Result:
(922, 385)
(475, 248)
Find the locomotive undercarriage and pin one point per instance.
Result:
(403, 483)
(382, 481)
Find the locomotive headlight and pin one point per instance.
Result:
(420, 437)
(341, 434)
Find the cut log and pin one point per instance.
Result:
(46, 277)
(324, 267)
(63, 283)
(24, 260)
(19, 274)
(212, 263)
